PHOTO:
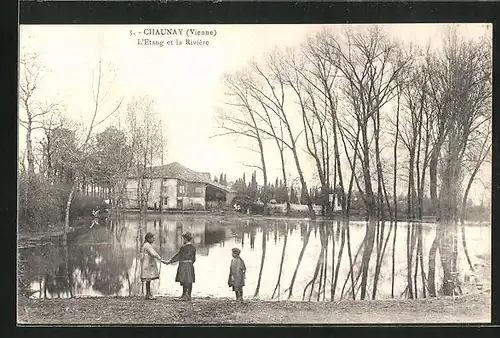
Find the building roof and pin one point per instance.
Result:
(180, 172)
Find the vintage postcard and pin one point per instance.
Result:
(254, 174)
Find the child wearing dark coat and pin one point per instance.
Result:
(237, 272)
(185, 271)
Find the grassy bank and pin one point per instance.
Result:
(134, 310)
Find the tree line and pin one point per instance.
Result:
(389, 111)
(377, 117)
(69, 166)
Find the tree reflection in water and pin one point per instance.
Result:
(287, 258)
(100, 260)
(278, 282)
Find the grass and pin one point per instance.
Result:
(165, 310)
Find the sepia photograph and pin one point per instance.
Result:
(250, 174)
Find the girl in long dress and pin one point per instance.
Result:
(149, 268)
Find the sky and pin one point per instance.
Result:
(186, 81)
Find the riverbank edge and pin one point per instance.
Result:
(475, 308)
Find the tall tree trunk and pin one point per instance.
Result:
(312, 214)
(337, 158)
(433, 182)
(466, 195)
(447, 214)
(395, 194)
(433, 169)
(446, 254)
(29, 149)
(371, 226)
(380, 175)
(410, 202)
(282, 158)
(464, 244)
(67, 211)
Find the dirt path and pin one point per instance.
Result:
(466, 309)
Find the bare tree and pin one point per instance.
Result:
(30, 74)
(271, 105)
(462, 88)
(311, 78)
(322, 55)
(244, 120)
(50, 124)
(100, 95)
(476, 155)
(278, 77)
(145, 129)
(370, 63)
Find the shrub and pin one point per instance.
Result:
(43, 205)
(83, 205)
(39, 204)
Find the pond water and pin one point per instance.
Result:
(104, 261)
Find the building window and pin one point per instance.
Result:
(198, 191)
(181, 189)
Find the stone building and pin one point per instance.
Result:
(175, 187)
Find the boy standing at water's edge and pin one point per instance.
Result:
(237, 272)
(185, 271)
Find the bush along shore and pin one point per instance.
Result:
(166, 310)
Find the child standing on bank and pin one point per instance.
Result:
(185, 271)
(149, 268)
(237, 272)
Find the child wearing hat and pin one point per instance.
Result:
(237, 272)
(185, 271)
(149, 269)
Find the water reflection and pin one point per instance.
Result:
(286, 259)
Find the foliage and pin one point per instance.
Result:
(47, 204)
(44, 206)
(83, 205)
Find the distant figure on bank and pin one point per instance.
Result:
(185, 271)
(96, 211)
(237, 272)
(95, 214)
(149, 268)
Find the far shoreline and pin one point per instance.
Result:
(55, 232)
